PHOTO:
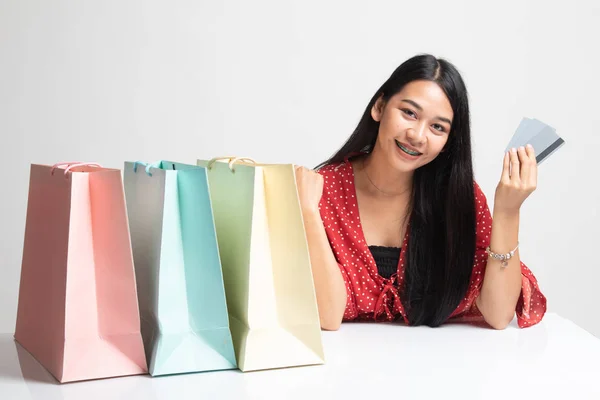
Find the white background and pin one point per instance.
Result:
(286, 81)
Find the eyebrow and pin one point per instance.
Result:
(418, 107)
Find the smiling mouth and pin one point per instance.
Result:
(407, 151)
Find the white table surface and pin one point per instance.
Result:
(553, 360)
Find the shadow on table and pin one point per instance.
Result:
(31, 369)
(17, 365)
(9, 366)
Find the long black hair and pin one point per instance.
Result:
(441, 249)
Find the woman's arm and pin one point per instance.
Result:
(502, 285)
(329, 283)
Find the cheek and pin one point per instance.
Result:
(392, 119)
(400, 123)
(437, 144)
(389, 125)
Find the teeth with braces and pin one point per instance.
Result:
(407, 151)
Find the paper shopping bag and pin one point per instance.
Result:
(180, 285)
(78, 311)
(266, 265)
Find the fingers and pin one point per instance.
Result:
(524, 164)
(528, 167)
(301, 170)
(300, 176)
(519, 178)
(306, 174)
(522, 168)
(506, 168)
(515, 168)
(530, 151)
(533, 173)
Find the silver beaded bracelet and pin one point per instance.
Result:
(503, 258)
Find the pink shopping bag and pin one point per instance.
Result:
(78, 311)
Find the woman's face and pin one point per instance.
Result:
(414, 125)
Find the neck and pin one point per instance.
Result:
(382, 179)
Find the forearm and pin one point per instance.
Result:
(501, 285)
(329, 283)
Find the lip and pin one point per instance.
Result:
(405, 155)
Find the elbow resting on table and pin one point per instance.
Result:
(499, 322)
(497, 316)
(330, 325)
(330, 322)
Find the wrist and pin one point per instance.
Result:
(502, 257)
(506, 214)
(311, 213)
(505, 230)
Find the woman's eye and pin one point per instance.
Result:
(409, 112)
(438, 127)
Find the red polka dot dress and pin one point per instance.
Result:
(373, 297)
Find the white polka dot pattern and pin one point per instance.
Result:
(372, 297)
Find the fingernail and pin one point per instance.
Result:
(530, 147)
(513, 150)
(521, 148)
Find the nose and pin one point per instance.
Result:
(416, 135)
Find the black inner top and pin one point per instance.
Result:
(386, 259)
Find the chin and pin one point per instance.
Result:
(402, 165)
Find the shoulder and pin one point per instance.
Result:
(482, 216)
(479, 195)
(337, 179)
(331, 170)
(335, 175)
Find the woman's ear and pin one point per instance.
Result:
(377, 109)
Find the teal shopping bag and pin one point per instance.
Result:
(183, 310)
